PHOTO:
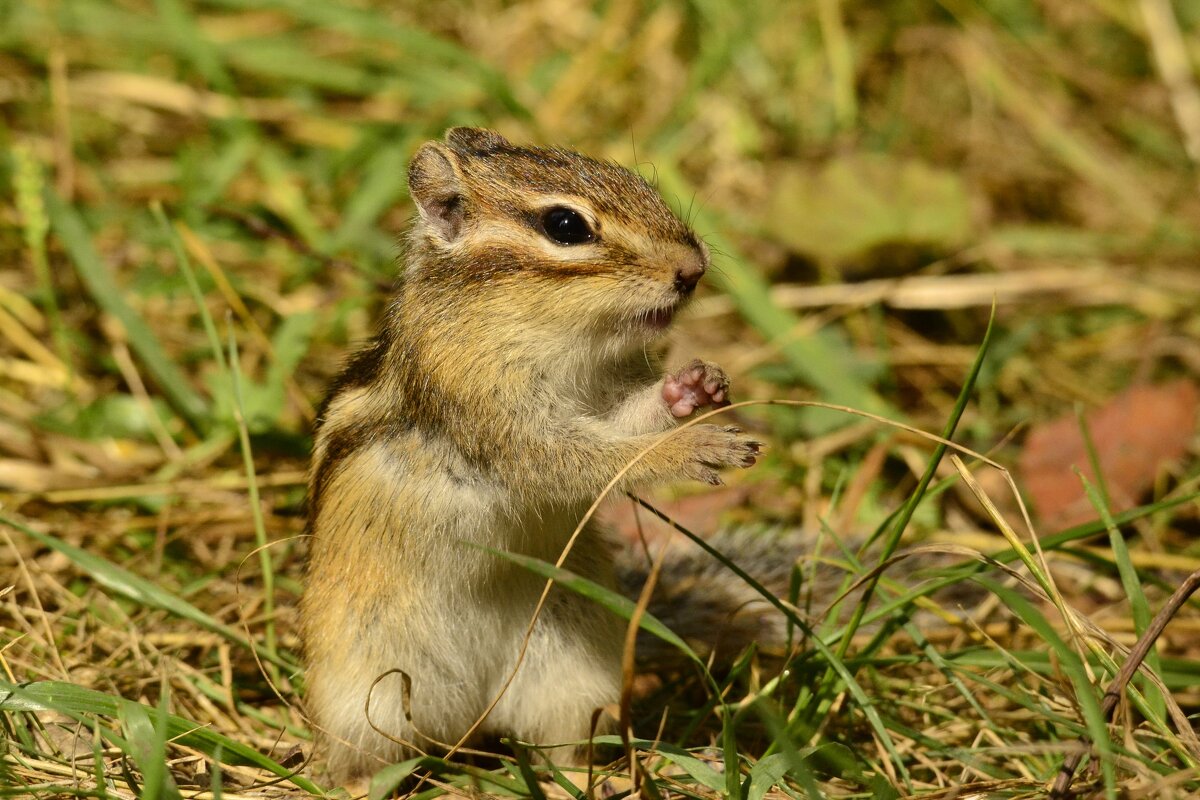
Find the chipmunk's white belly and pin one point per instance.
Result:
(451, 615)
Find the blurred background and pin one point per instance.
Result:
(201, 205)
(871, 176)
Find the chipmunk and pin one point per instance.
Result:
(508, 384)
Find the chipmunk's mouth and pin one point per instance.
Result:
(658, 318)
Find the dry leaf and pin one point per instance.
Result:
(1135, 434)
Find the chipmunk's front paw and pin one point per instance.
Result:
(715, 447)
(698, 384)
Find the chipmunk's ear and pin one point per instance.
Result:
(437, 189)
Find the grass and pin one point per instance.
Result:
(199, 205)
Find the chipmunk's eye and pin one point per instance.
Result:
(566, 226)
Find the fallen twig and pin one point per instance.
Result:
(1062, 784)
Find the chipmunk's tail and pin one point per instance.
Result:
(706, 603)
(719, 614)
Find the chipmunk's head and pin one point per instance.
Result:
(579, 244)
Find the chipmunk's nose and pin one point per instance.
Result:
(690, 272)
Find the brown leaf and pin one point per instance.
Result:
(1135, 434)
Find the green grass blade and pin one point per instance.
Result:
(215, 783)
(787, 760)
(190, 41)
(616, 603)
(1086, 696)
(698, 770)
(140, 590)
(1138, 604)
(382, 186)
(525, 771)
(185, 266)
(148, 747)
(212, 179)
(943, 666)
(30, 189)
(69, 227)
(961, 571)
(289, 345)
(285, 198)
(419, 47)
(97, 753)
(906, 512)
(80, 703)
(387, 780)
(730, 757)
(260, 527)
(286, 60)
(834, 661)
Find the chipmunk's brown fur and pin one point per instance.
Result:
(508, 384)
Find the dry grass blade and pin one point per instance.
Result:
(1112, 695)
(1175, 66)
(1065, 286)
